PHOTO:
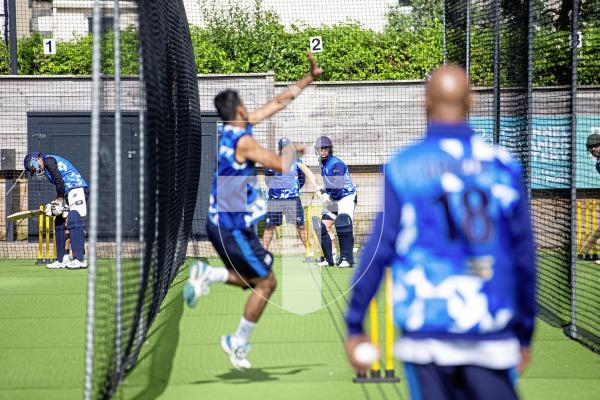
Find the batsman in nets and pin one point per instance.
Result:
(338, 195)
(69, 206)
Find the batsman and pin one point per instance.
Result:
(69, 207)
(338, 195)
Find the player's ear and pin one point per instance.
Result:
(427, 103)
(469, 102)
(242, 112)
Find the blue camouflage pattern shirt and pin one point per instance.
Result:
(456, 230)
(235, 200)
(284, 185)
(70, 175)
(336, 178)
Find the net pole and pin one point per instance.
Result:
(118, 186)
(468, 40)
(529, 115)
(94, 179)
(12, 33)
(142, 183)
(573, 247)
(444, 21)
(496, 71)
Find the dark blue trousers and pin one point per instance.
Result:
(465, 382)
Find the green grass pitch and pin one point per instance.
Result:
(42, 331)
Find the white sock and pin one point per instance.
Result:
(217, 275)
(244, 330)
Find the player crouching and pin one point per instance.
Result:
(71, 186)
(338, 196)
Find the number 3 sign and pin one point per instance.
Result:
(316, 44)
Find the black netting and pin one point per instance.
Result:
(167, 171)
(521, 57)
(552, 155)
(587, 282)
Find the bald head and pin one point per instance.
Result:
(448, 94)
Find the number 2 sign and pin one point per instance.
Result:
(316, 44)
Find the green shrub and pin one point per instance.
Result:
(4, 59)
(238, 39)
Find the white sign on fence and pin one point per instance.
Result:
(316, 44)
(49, 46)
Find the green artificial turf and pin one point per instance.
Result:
(42, 331)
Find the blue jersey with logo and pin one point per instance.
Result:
(235, 201)
(71, 176)
(336, 178)
(456, 231)
(284, 185)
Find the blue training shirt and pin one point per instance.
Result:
(70, 175)
(284, 185)
(456, 231)
(235, 201)
(336, 178)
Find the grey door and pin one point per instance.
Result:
(68, 135)
(208, 155)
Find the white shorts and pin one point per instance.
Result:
(345, 205)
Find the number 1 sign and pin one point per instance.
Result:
(49, 46)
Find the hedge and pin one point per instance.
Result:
(238, 40)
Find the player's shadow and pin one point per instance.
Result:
(154, 367)
(259, 374)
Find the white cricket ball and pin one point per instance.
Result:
(366, 354)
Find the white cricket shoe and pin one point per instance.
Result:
(55, 265)
(66, 259)
(344, 264)
(76, 264)
(238, 355)
(197, 284)
(324, 263)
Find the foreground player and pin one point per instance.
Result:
(71, 186)
(284, 195)
(235, 206)
(456, 230)
(338, 195)
(593, 147)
